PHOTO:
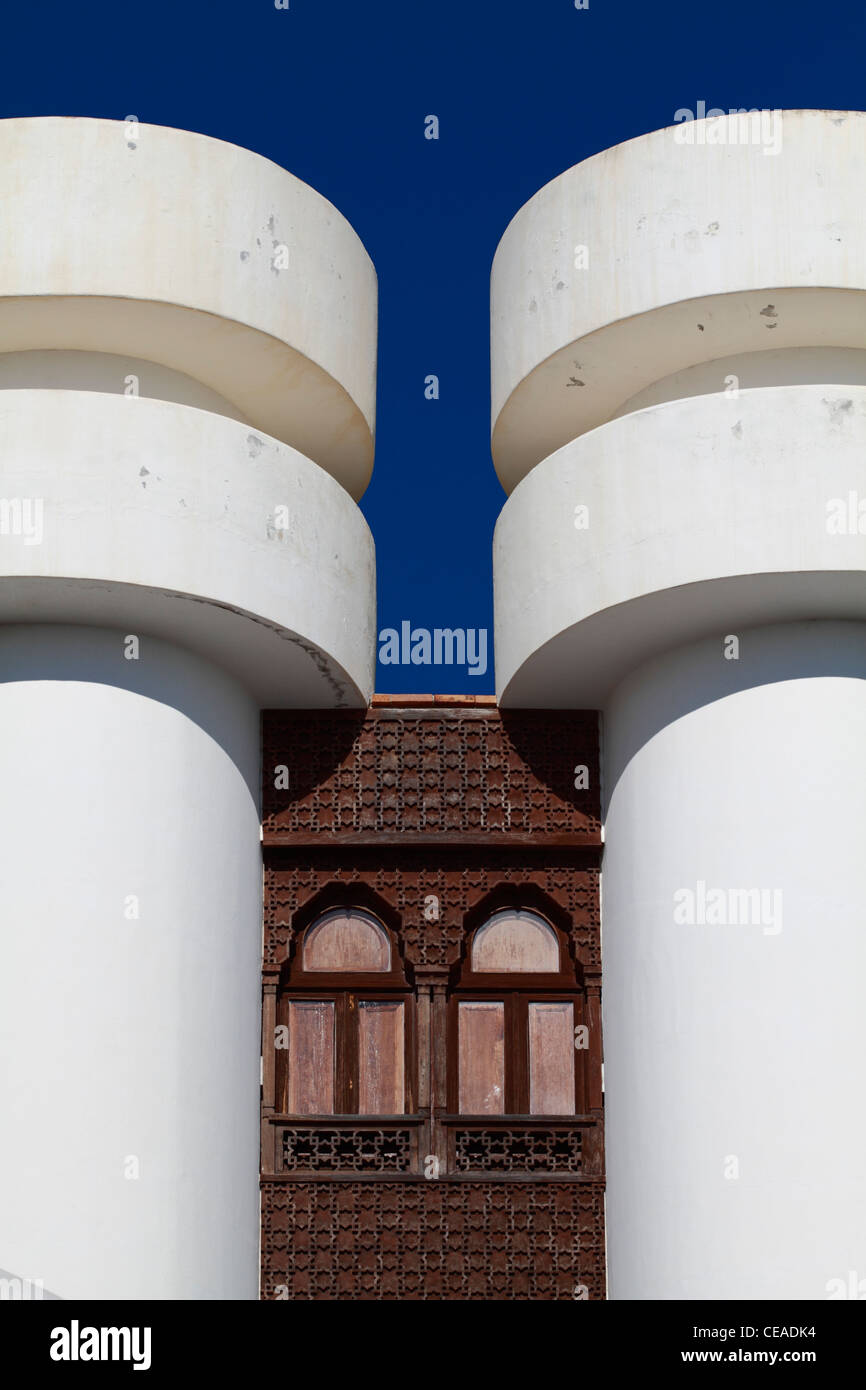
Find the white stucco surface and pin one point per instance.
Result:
(56, 369)
(681, 425)
(733, 1049)
(198, 255)
(702, 514)
(690, 253)
(129, 1046)
(163, 518)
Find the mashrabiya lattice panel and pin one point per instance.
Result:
(467, 773)
(433, 1240)
(347, 1150)
(406, 879)
(518, 1151)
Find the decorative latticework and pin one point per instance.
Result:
(409, 879)
(431, 818)
(518, 1150)
(439, 1240)
(347, 1150)
(432, 773)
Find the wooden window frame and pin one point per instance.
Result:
(516, 990)
(345, 999)
(345, 989)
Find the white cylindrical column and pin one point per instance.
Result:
(187, 408)
(679, 414)
(734, 886)
(129, 960)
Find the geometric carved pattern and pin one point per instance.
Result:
(436, 773)
(458, 879)
(347, 1150)
(435, 1240)
(518, 1150)
(428, 812)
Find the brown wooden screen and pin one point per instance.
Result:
(452, 1155)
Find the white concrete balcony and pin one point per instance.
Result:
(162, 519)
(703, 516)
(198, 256)
(657, 256)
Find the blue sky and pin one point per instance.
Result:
(337, 92)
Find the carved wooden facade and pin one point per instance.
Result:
(432, 816)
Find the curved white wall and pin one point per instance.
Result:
(655, 255)
(804, 366)
(657, 508)
(193, 527)
(199, 255)
(128, 1040)
(733, 1052)
(701, 514)
(56, 370)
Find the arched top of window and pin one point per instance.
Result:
(346, 939)
(515, 940)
